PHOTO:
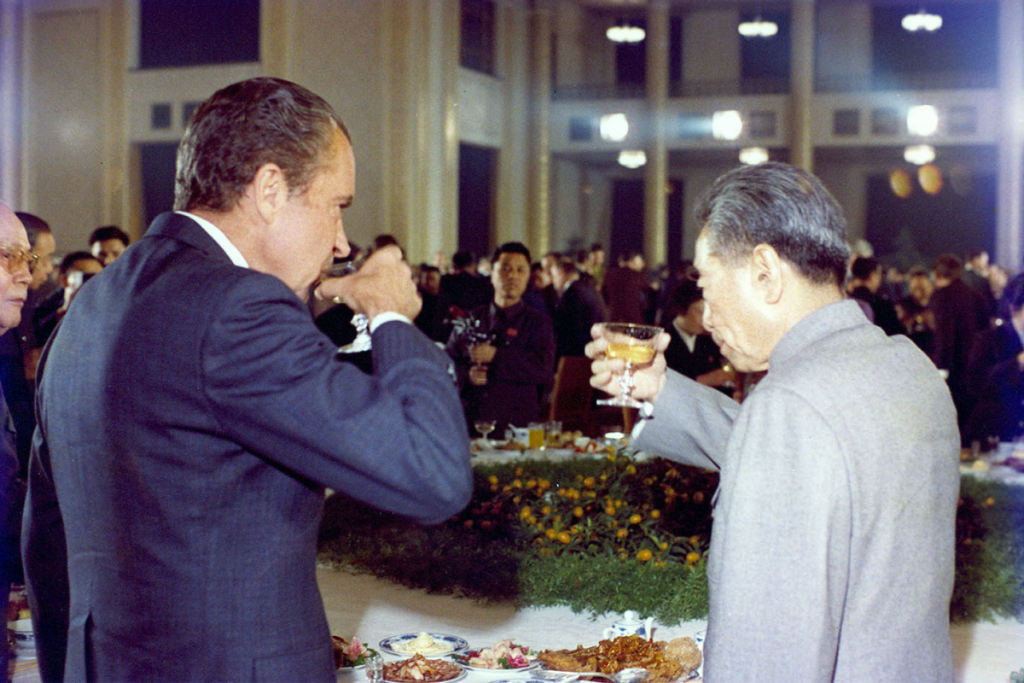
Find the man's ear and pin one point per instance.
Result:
(269, 191)
(767, 272)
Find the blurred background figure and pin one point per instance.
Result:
(428, 283)
(692, 351)
(960, 312)
(914, 311)
(625, 290)
(578, 306)
(74, 271)
(460, 291)
(866, 279)
(107, 243)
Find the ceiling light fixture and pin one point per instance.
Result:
(752, 156)
(919, 154)
(922, 21)
(632, 158)
(624, 33)
(758, 28)
(923, 120)
(726, 125)
(614, 127)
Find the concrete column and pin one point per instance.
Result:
(656, 170)
(513, 168)
(437, 120)
(1010, 192)
(801, 83)
(540, 190)
(10, 102)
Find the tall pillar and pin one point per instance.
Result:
(656, 170)
(540, 190)
(1010, 192)
(10, 102)
(512, 181)
(801, 85)
(436, 119)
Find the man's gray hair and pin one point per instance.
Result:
(781, 206)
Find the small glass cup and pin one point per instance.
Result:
(554, 433)
(536, 436)
(374, 667)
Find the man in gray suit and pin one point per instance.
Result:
(832, 550)
(190, 415)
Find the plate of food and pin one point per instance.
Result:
(419, 669)
(676, 659)
(423, 643)
(505, 655)
(350, 654)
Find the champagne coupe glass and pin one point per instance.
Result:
(359, 320)
(485, 427)
(635, 345)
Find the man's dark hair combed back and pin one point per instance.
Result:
(34, 226)
(109, 232)
(948, 266)
(781, 206)
(241, 128)
(511, 248)
(863, 267)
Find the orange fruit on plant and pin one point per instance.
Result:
(635, 518)
(644, 555)
(564, 537)
(692, 557)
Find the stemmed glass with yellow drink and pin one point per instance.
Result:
(634, 344)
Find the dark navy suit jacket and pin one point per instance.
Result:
(190, 416)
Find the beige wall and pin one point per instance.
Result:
(64, 127)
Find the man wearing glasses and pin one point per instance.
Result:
(190, 415)
(14, 280)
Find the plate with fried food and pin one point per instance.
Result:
(673, 660)
(419, 669)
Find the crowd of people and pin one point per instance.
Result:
(191, 406)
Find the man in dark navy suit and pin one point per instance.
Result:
(190, 415)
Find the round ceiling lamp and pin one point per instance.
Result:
(922, 21)
(632, 158)
(758, 28)
(919, 154)
(614, 127)
(901, 184)
(624, 33)
(752, 156)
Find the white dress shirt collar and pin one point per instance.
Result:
(220, 238)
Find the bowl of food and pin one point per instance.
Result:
(24, 637)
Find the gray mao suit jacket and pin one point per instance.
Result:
(832, 548)
(190, 416)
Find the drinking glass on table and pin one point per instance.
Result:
(635, 345)
(485, 427)
(374, 667)
(359, 320)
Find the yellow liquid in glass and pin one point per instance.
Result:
(634, 354)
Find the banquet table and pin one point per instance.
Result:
(373, 609)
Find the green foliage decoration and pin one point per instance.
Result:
(608, 534)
